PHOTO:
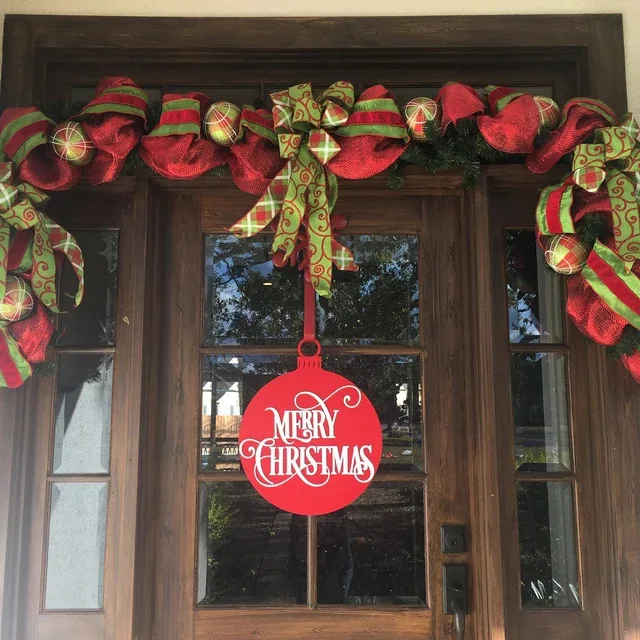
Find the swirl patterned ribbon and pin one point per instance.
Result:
(18, 209)
(610, 159)
(305, 189)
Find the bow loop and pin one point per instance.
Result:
(18, 210)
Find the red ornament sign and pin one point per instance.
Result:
(310, 441)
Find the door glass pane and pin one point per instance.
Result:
(541, 423)
(75, 554)
(392, 383)
(548, 565)
(534, 292)
(228, 385)
(249, 552)
(378, 303)
(92, 324)
(83, 414)
(372, 552)
(247, 299)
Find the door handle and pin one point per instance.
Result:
(455, 600)
(459, 618)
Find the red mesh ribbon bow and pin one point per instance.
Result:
(372, 135)
(32, 253)
(458, 101)
(24, 137)
(114, 121)
(514, 121)
(176, 148)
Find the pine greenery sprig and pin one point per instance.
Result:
(628, 344)
(463, 147)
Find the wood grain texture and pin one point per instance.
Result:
(444, 387)
(487, 518)
(350, 623)
(305, 33)
(179, 406)
(126, 412)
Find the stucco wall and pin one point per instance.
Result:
(629, 8)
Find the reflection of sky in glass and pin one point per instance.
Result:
(247, 299)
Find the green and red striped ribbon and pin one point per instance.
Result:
(607, 275)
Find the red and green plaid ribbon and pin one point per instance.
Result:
(18, 209)
(305, 190)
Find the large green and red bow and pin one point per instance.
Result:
(19, 210)
(613, 159)
(603, 180)
(305, 190)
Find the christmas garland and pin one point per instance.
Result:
(291, 158)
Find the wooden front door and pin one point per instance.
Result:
(228, 563)
(128, 516)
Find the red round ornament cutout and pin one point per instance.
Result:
(310, 441)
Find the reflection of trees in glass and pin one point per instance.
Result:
(239, 307)
(247, 300)
(255, 554)
(385, 530)
(379, 302)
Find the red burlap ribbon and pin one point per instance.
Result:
(514, 121)
(24, 137)
(254, 161)
(580, 118)
(114, 121)
(632, 363)
(176, 148)
(458, 101)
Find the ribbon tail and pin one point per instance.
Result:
(43, 271)
(320, 236)
(61, 240)
(267, 208)
(294, 205)
(14, 367)
(625, 214)
(5, 234)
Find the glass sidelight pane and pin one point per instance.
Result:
(534, 292)
(83, 414)
(378, 303)
(247, 299)
(541, 422)
(548, 564)
(92, 324)
(249, 552)
(75, 553)
(372, 552)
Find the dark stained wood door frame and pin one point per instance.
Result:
(591, 50)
